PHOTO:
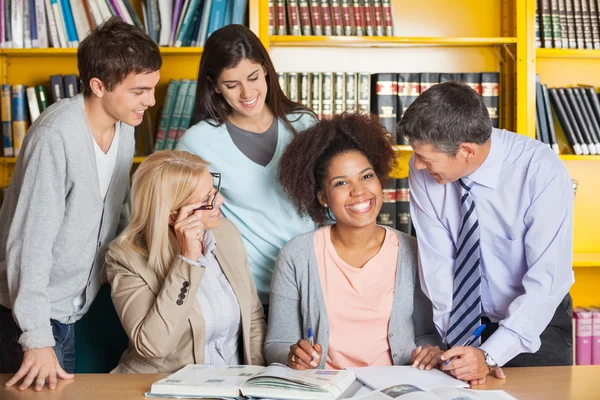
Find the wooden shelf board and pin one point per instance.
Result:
(400, 147)
(8, 160)
(572, 157)
(138, 160)
(386, 41)
(165, 51)
(591, 259)
(567, 53)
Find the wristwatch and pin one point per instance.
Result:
(489, 361)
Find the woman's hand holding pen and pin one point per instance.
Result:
(425, 357)
(304, 356)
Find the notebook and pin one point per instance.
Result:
(273, 382)
(411, 392)
(383, 377)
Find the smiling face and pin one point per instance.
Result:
(129, 100)
(352, 190)
(244, 88)
(442, 167)
(204, 193)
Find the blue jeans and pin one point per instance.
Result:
(11, 353)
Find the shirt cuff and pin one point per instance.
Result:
(502, 346)
(37, 338)
(194, 263)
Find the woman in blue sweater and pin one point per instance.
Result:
(242, 124)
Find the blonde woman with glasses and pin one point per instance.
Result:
(179, 273)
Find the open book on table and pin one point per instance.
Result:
(410, 392)
(273, 382)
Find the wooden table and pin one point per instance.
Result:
(544, 383)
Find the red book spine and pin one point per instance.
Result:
(358, 21)
(315, 13)
(271, 18)
(294, 18)
(378, 14)
(305, 17)
(336, 14)
(387, 17)
(346, 17)
(280, 8)
(326, 17)
(367, 9)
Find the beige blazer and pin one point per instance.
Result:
(166, 332)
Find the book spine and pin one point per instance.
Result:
(281, 27)
(57, 87)
(69, 23)
(556, 30)
(473, 80)
(7, 23)
(17, 23)
(564, 120)
(578, 17)
(32, 31)
(571, 31)
(336, 18)
(585, 121)
(82, 25)
(60, 25)
(282, 79)
(541, 111)
(368, 17)
(387, 214)
(569, 105)
(579, 120)
(315, 90)
(304, 85)
(177, 113)
(339, 83)
(315, 14)
(6, 112)
(364, 92)
(403, 221)
(88, 8)
(450, 77)
(271, 6)
(19, 117)
(71, 85)
(175, 17)
(587, 25)
(490, 91)
(165, 115)
(347, 17)
(550, 120)
(351, 92)
(32, 102)
(42, 28)
(292, 80)
(388, 18)
(326, 18)
(538, 35)
(562, 18)
(427, 80)
(188, 111)
(595, 336)
(187, 23)
(378, 16)
(595, 106)
(305, 17)
(385, 95)
(358, 20)
(583, 336)
(327, 96)
(293, 18)
(546, 24)
(42, 96)
(595, 24)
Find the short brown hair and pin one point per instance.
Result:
(305, 162)
(113, 51)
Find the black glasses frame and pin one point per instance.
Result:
(211, 206)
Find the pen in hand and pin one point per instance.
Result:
(311, 340)
(470, 340)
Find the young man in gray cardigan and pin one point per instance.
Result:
(66, 202)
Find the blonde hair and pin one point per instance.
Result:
(163, 183)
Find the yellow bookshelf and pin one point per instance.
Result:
(396, 41)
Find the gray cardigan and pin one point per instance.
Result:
(54, 223)
(297, 303)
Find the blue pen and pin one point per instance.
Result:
(471, 339)
(311, 340)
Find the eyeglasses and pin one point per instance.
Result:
(216, 184)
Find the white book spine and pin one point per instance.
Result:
(60, 24)
(82, 25)
(34, 109)
(145, 17)
(104, 10)
(95, 12)
(42, 28)
(125, 12)
(27, 43)
(16, 15)
(204, 23)
(54, 42)
(165, 8)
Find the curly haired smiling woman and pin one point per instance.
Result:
(354, 283)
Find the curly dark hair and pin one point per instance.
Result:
(304, 164)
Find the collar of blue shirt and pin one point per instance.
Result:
(487, 174)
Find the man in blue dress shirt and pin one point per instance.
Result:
(493, 214)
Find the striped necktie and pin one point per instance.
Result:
(465, 316)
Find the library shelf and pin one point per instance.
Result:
(386, 41)
(52, 52)
(567, 53)
(573, 157)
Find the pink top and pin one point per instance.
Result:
(358, 302)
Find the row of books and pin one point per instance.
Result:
(331, 17)
(395, 210)
(567, 24)
(586, 327)
(20, 106)
(64, 23)
(576, 111)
